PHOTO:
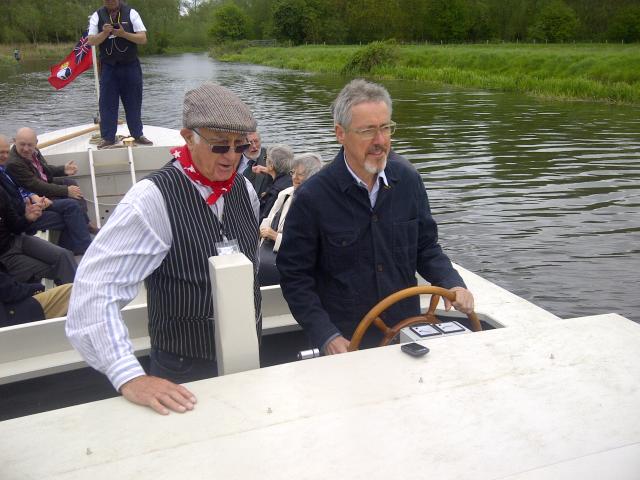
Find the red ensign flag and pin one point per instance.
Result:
(76, 62)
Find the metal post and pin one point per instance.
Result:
(132, 166)
(95, 188)
(95, 75)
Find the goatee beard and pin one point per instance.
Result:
(374, 168)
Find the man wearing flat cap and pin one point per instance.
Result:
(163, 232)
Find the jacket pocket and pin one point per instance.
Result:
(341, 250)
(405, 243)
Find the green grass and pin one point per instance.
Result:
(30, 52)
(595, 72)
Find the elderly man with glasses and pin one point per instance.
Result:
(360, 229)
(253, 164)
(163, 231)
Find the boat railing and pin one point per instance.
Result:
(41, 348)
(105, 176)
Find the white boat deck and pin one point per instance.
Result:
(160, 136)
(546, 400)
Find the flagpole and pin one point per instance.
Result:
(96, 79)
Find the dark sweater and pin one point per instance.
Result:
(25, 174)
(10, 222)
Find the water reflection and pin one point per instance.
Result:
(540, 197)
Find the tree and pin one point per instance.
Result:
(229, 23)
(556, 22)
(625, 25)
(372, 20)
(29, 21)
(480, 26)
(448, 20)
(289, 20)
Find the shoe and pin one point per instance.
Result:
(142, 140)
(106, 144)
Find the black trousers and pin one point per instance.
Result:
(180, 369)
(30, 259)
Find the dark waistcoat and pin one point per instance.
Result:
(117, 50)
(181, 316)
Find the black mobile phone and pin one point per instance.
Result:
(414, 349)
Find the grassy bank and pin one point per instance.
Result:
(596, 72)
(30, 52)
(57, 51)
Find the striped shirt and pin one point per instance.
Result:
(131, 245)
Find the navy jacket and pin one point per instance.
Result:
(13, 194)
(260, 181)
(339, 257)
(16, 302)
(11, 223)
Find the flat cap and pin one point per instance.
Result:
(218, 108)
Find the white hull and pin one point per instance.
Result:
(543, 402)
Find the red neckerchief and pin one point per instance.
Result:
(35, 161)
(183, 155)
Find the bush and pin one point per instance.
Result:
(556, 22)
(376, 54)
(228, 48)
(230, 23)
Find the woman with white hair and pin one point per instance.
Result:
(304, 166)
(279, 158)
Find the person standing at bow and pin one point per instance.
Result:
(118, 30)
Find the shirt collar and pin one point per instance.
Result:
(359, 181)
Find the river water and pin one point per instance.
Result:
(540, 197)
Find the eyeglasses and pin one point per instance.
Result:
(224, 148)
(301, 176)
(370, 133)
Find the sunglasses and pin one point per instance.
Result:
(224, 148)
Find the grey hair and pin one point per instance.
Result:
(281, 156)
(354, 93)
(311, 162)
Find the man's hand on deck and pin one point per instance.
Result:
(337, 345)
(70, 168)
(159, 394)
(464, 300)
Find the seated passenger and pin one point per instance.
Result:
(30, 170)
(29, 259)
(28, 302)
(252, 163)
(62, 214)
(304, 166)
(279, 158)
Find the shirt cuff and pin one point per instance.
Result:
(327, 342)
(124, 369)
